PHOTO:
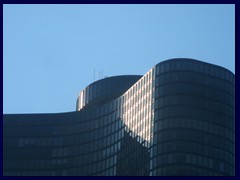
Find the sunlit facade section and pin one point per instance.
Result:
(138, 111)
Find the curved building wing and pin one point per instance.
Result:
(177, 119)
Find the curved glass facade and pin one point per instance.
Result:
(194, 122)
(177, 119)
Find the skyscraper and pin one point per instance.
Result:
(177, 119)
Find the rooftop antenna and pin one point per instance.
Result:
(94, 74)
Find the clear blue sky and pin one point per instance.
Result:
(50, 51)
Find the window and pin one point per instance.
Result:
(189, 66)
(217, 72)
(200, 161)
(172, 65)
(212, 71)
(178, 65)
(206, 69)
(210, 165)
(201, 68)
(195, 66)
(167, 67)
(161, 68)
(188, 158)
(170, 158)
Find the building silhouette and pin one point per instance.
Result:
(176, 120)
